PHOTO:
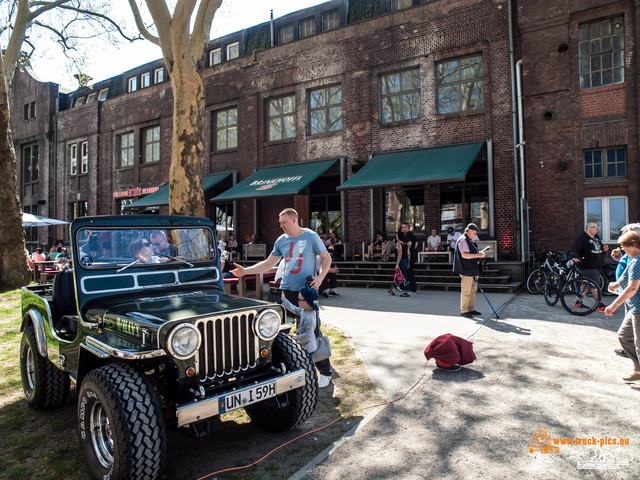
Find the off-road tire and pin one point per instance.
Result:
(45, 385)
(290, 409)
(536, 281)
(120, 424)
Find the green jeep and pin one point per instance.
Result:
(143, 328)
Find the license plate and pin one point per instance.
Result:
(246, 397)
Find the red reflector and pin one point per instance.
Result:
(264, 352)
(191, 372)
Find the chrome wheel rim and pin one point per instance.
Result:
(101, 437)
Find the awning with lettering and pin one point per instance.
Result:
(437, 164)
(161, 196)
(273, 181)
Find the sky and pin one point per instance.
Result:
(104, 60)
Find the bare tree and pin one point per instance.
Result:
(183, 45)
(24, 21)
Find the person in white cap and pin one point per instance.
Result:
(466, 261)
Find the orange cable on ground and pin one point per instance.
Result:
(243, 467)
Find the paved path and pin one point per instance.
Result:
(537, 368)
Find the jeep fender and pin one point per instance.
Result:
(35, 318)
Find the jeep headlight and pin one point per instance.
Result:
(183, 341)
(267, 324)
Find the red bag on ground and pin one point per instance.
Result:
(449, 350)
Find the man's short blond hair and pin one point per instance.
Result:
(289, 212)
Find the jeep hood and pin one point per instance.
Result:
(153, 311)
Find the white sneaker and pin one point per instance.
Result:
(324, 381)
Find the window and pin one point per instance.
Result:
(121, 203)
(84, 156)
(404, 205)
(461, 204)
(29, 110)
(460, 85)
(145, 80)
(306, 27)
(400, 96)
(330, 20)
(78, 102)
(31, 160)
(104, 93)
(285, 34)
(601, 47)
(78, 209)
(226, 125)
(233, 50)
(215, 56)
(610, 213)
(73, 159)
(133, 84)
(325, 109)
(281, 118)
(158, 75)
(151, 144)
(125, 150)
(605, 163)
(400, 4)
(92, 97)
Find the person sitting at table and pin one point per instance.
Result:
(54, 251)
(141, 250)
(63, 253)
(38, 256)
(375, 247)
(232, 244)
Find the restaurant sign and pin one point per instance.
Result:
(135, 192)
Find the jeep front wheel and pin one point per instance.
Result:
(44, 384)
(120, 422)
(295, 406)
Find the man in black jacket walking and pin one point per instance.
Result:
(466, 264)
(588, 245)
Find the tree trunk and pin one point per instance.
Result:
(186, 196)
(14, 271)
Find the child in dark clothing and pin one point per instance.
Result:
(307, 314)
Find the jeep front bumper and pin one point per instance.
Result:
(210, 407)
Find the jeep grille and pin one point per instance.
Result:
(229, 345)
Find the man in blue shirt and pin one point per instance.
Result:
(299, 247)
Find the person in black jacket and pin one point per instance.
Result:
(589, 246)
(466, 264)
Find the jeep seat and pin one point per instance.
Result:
(64, 294)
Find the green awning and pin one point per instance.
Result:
(437, 164)
(274, 181)
(161, 196)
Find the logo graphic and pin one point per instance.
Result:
(542, 442)
(266, 187)
(600, 461)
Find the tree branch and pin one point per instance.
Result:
(202, 25)
(62, 39)
(142, 28)
(44, 7)
(101, 16)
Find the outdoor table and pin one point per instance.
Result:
(39, 267)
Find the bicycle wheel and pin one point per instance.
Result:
(536, 281)
(551, 289)
(581, 296)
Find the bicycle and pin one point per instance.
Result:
(538, 277)
(575, 292)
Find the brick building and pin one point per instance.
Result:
(361, 114)
(580, 80)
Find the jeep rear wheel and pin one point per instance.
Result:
(120, 422)
(290, 409)
(44, 385)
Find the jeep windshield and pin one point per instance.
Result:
(118, 247)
